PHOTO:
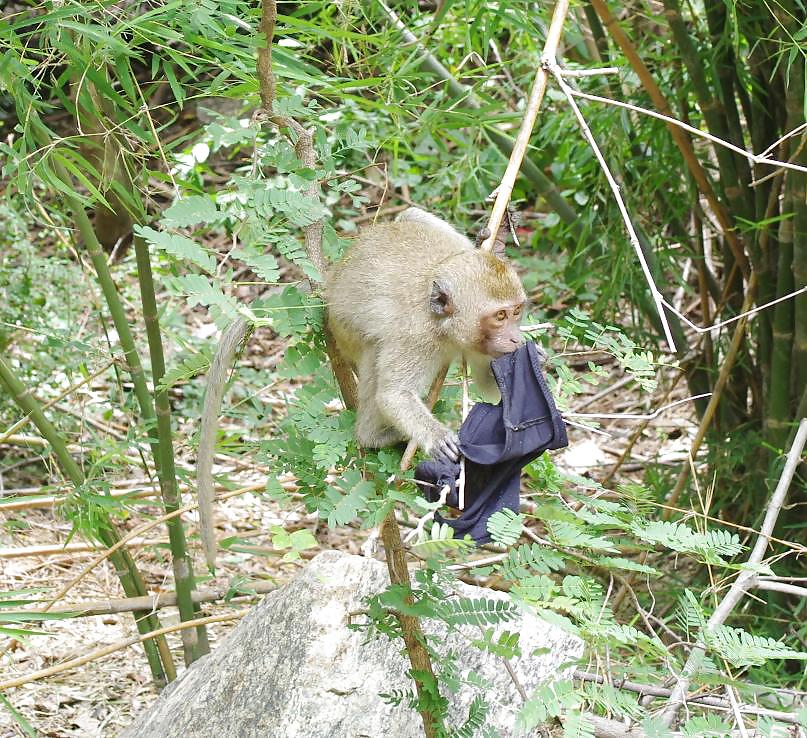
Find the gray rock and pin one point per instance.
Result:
(292, 669)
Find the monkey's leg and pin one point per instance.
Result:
(372, 428)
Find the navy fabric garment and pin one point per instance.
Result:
(497, 441)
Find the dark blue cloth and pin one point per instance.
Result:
(497, 441)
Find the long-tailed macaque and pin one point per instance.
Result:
(408, 298)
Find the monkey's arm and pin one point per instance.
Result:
(398, 398)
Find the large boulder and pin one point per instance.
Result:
(293, 669)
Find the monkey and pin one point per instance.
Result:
(408, 298)
(423, 295)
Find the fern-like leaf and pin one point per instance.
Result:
(189, 211)
(481, 611)
(505, 526)
(178, 246)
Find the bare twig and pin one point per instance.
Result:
(505, 188)
(746, 579)
(154, 602)
(99, 653)
(652, 690)
(635, 416)
(658, 299)
(23, 421)
(717, 392)
(751, 156)
(747, 313)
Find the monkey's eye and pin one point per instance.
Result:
(501, 315)
(517, 311)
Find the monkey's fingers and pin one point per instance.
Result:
(483, 235)
(448, 448)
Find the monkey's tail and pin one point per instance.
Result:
(231, 341)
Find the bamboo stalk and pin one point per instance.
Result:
(714, 400)
(160, 453)
(778, 410)
(679, 137)
(194, 641)
(735, 178)
(157, 654)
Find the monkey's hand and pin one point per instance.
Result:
(447, 447)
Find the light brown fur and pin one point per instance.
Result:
(381, 315)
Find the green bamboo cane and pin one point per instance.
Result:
(194, 641)
(183, 570)
(778, 413)
(734, 178)
(798, 188)
(125, 567)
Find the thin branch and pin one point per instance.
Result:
(633, 416)
(745, 580)
(99, 653)
(751, 156)
(119, 605)
(773, 586)
(705, 700)
(589, 72)
(505, 189)
(721, 323)
(717, 392)
(633, 238)
(11, 430)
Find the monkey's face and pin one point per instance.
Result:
(499, 331)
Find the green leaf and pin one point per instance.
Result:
(189, 211)
(178, 246)
(199, 291)
(186, 369)
(264, 265)
(505, 526)
(480, 611)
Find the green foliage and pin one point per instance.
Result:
(505, 526)
(550, 700)
(708, 725)
(505, 646)
(186, 369)
(236, 199)
(577, 725)
(741, 648)
(178, 247)
(296, 541)
(477, 612)
(711, 546)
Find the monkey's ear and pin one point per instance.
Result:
(440, 300)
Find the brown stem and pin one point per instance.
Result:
(431, 399)
(681, 140)
(423, 673)
(725, 371)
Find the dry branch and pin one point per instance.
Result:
(505, 189)
(746, 579)
(112, 648)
